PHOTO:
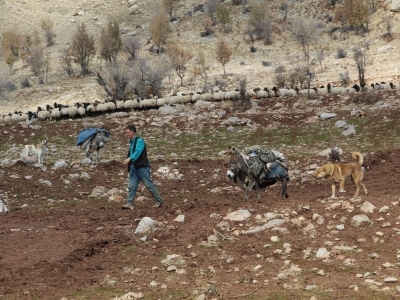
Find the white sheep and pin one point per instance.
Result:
(43, 115)
(148, 103)
(207, 97)
(306, 92)
(72, 111)
(131, 104)
(262, 94)
(15, 117)
(119, 104)
(218, 96)
(160, 102)
(269, 92)
(231, 95)
(336, 89)
(55, 113)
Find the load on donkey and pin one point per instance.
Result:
(92, 140)
(258, 168)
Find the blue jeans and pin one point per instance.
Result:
(135, 177)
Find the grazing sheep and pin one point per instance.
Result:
(15, 117)
(55, 113)
(269, 92)
(262, 94)
(119, 104)
(306, 92)
(197, 97)
(175, 99)
(43, 115)
(336, 89)
(351, 90)
(218, 96)
(72, 111)
(131, 104)
(232, 95)
(322, 90)
(284, 92)
(148, 103)
(7, 118)
(161, 102)
(207, 97)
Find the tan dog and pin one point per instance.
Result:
(340, 172)
(38, 150)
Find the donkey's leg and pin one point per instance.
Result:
(249, 188)
(284, 188)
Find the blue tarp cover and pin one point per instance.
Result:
(88, 133)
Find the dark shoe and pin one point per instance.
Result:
(127, 206)
(158, 204)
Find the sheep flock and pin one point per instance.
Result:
(82, 109)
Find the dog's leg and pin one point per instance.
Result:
(341, 185)
(333, 190)
(365, 188)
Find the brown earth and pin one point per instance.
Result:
(60, 241)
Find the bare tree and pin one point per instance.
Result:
(223, 53)
(179, 59)
(131, 45)
(82, 48)
(116, 82)
(6, 84)
(201, 67)
(148, 75)
(46, 24)
(320, 56)
(360, 59)
(260, 22)
(280, 76)
(110, 42)
(35, 59)
(159, 29)
(66, 59)
(212, 6)
(305, 32)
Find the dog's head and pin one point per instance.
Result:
(324, 171)
(43, 142)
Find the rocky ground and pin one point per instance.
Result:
(66, 237)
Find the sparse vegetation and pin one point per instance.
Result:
(82, 48)
(223, 53)
(159, 29)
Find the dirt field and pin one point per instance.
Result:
(61, 242)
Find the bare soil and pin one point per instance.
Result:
(60, 241)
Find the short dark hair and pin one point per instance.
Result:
(131, 127)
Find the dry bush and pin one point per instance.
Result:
(224, 17)
(179, 59)
(110, 42)
(12, 41)
(223, 53)
(170, 6)
(35, 60)
(66, 60)
(46, 24)
(82, 48)
(160, 29)
(367, 98)
(6, 85)
(280, 76)
(131, 44)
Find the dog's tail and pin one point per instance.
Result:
(359, 157)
